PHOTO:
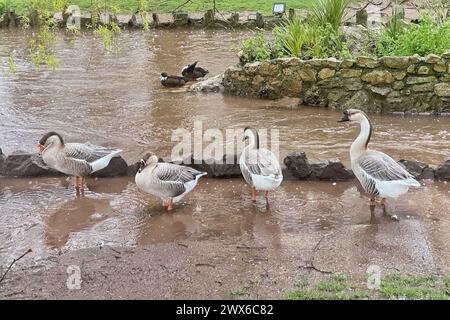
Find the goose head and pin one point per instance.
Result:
(51, 139)
(353, 115)
(147, 160)
(164, 76)
(252, 135)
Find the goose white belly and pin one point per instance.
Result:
(189, 186)
(266, 183)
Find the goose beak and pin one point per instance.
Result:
(40, 148)
(344, 118)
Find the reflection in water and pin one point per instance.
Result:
(73, 216)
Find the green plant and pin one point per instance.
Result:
(330, 12)
(142, 11)
(292, 36)
(255, 48)
(421, 39)
(108, 33)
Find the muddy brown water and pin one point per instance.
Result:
(116, 99)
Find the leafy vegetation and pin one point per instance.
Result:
(330, 12)
(422, 39)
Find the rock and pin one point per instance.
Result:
(367, 62)
(214, 84)
(442, 89)
(348, 63)
(297, 163)
(352, 84)
(117, 167)
(331, 170)
(2, 160)
(425, 87)
(349, 73)
(418, 169)
(208, 18)
(234, 19)
(423, 70)
(396, 62)
(259, 20)
(326, 73)
(356, 38)
(358, 100)
(440, 66)
(382, 91)
(180, 19)
(307, 74)
(397, 85)
(314, 97)
(361, 17)
(23, 164)
(416, 80)
(431, 58)
(443, 171)
(378, 77)
(400, 75)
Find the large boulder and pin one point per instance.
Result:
(419, 170)
(116, 167)
(297, 163)
(443, 171)
(24, 164)
(331, 171)
(214, 84)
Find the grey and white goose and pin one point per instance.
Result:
(379, 174)
(192, 72)
(260, 167)
(75, 159)
(167, 181)
(172, 81)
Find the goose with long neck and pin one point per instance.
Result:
(260, 167)
(167, 181)
(75, 159)
(379, 174)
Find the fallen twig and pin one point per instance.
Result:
(12, 263)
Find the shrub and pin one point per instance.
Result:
(421, 39)
(255, 48)
(330, 12)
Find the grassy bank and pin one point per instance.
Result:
(126, 6)
(340, 287)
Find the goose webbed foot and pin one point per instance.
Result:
(79, 185)
(390, 215)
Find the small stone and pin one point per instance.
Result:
(442, 89)
(400, 75)
(378, 76)
(382, 91)
(416, 80)
(423, 70)
(446, 55)
(307, 74)
(350, 73)
(415, 59)
(431, 58)
(353, 84)
(411, 69)
(396, 62)
(423, 87)
(397, 85)
(367, 62)
(347, 63)
(440, 66)
(326, 73)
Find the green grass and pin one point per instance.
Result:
(339, 287)
(264, 6)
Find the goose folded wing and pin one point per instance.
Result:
(381, 167)
(172, 173)
(86, 152)
(262, 162)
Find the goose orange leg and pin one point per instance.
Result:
(170, 204)
(80, 184)
(372, 201)
(253, 194)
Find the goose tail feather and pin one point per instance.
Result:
(104, 161)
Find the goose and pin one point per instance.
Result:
(192, 72)
(379, 174)
(172, 81)
(75, 159)
(167, 181)
(260, 168)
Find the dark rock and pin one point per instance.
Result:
(2, 160)
(23, 164)
(297, 163)
(116, 167)
(331, 170)
(228, 168)
(132, 169)
(419, 170)
(443, 171)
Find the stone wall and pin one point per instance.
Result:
(387, 84)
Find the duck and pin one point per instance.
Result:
(167, 181)
(379, 174)
(192, 72)
(74, 159)
(172, 81)
(259, 167)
